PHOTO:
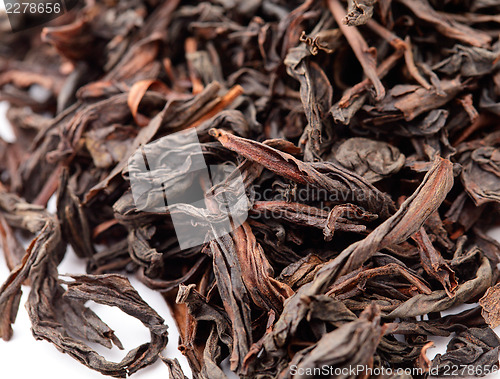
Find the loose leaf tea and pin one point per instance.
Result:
(308, 184)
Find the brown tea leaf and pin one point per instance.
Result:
(490, 304)
(434, 264)
(373, 161)
(447, 27)
(365, 55)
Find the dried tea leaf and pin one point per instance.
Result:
(359, 12)
(481, 175)
(350, 345)
(490, 304)
(476, 348)
(439, 300)
(374, 160)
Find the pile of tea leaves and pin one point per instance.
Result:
(365, 135)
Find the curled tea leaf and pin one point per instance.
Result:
(374, 160)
